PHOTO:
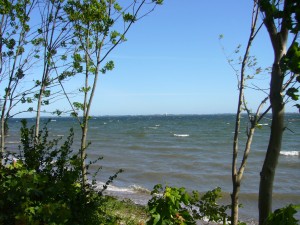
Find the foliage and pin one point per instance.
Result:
(14, 57)
(124, 211)
(207, 206)
(291, 62)
(169, 206)
(174, 205)
(94, 24)
(289, 15)
(283, 216)
(281, 19)
(43, 185)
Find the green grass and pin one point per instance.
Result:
(125, 212)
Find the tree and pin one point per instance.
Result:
(53, 35)
(87, 30)
(281, 18)
(26, 46)
(15, 59)
(238, 172)
(283, 87)
(95, 36)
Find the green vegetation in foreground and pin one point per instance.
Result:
(125, 212)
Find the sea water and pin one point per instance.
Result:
(191, 151)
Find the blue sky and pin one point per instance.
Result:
(173, 62)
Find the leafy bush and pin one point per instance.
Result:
(283, 216)
(207, 206)
(174, 205)
(169, 206)
(44, 185)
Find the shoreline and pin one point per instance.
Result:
(141, 199)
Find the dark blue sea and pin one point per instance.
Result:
(191, 151)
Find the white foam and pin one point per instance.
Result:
(153, 128)
(139, 189)
(290, 153)
(112, 188)
(181, 135)
(13, 142)
(129, 190)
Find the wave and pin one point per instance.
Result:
(137, 189)
(290, 153)
(153, 128)
(263, 124)
(13, 142)
(181, 135)
(138, 194)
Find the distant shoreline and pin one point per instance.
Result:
(154, 115)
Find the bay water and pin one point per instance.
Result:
(191, 151)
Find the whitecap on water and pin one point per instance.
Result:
(289, 153)
(152, 128)
(181, 135)
(139, 189)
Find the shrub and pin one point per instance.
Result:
(44, 185)
(283, 216)
(207, 206)
(174, 205)
(169, 206)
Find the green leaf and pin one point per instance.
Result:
(117, 7)
(20, 74)
(156, 218)
(74, 114)
(127, 17)
(20, 50)
(29, 100)
(11, 44)
(46, 93)
(64, 57)
(85, 90)
(158, 2)
(23, 100)
(108, 66)
(78, 105)
(291, 92)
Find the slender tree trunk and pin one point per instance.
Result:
(237, 174)
(86, 106)
(268, 170)
(2, 134)
(38, 115)
(278, 37)
(83, 153)
(235, 202)
(3, 121)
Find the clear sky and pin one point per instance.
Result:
(173, 62)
